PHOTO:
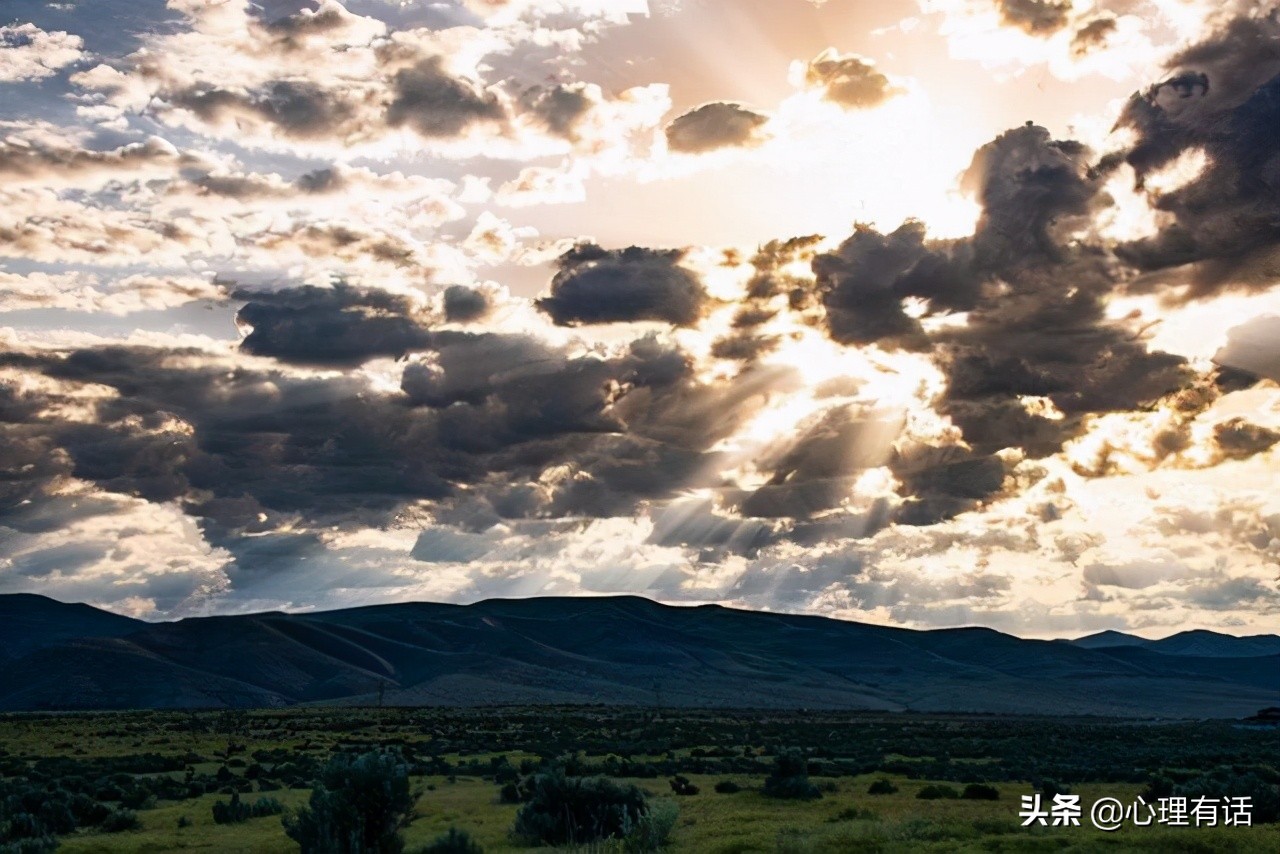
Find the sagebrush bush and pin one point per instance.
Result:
(790, 778)
(937, 792)
(882, 787)
(453, 841)
(358, 806)
(564, 810)
(237, 811)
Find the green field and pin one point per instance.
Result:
(460, 756)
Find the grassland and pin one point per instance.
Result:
(460, 757)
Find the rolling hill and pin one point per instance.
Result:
(613, 650)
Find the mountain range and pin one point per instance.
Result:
(608, 650)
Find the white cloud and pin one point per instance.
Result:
(29, 53)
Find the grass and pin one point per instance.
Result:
(845, 820)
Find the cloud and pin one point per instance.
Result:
(465, 305)
(1093, 35)
(29, 53)
(437, 104)
(90, 293)
(1037, 17)
(330, 326)
(596, 285)
(1254, 347)
(849, 80)
(1221, 100)
(878, 424)
(713, 126)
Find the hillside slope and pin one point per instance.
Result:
(614, 650)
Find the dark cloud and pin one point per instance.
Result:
(1223, 99)
(297, 108)
(864, 282)
(596, 285)
(437, 104)
(184, 428)
(713, 126)
(849, 80)
(1036, 17)
(465, 305)
(941, 482)
(1092, 35)
(559, 108)
(1034, 190)
(1238, 439)
(1035, 297)
(330, 326)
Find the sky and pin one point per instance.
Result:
(915, 312)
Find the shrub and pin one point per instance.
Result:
(1159, 786)
(31, 845)
(728, 787)
(358, 806)
(937, 792)
(1224, 783)
(882, 787)
(453, 842)
(237, 811)
(1050, 787)
(980, 792)
(681, 785)
(790, 778)
(119, 821)
(565, 810)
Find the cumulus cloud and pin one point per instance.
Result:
(597, 285)
(1220, 99)
(849, 80)
(713, 126)
(1037, 17)
(29, 53)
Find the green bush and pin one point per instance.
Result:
(980, 792)
(453, 842)
(681, 785)
(565, 810)
(882, 787)
(237, 811)
(790, 778)
(119, 821)
(1220, 783)
(728, 787)
(1050, 787)
(937, 792)
(358, 806)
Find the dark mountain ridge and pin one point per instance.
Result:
(613, 650)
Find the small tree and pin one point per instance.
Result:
(790, 778)
(358, 806)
